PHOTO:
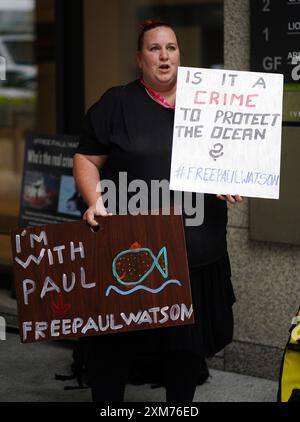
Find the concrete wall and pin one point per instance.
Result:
(266, 276)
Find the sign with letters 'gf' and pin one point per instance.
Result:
(227, 132)
(131, 274)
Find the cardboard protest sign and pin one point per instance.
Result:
(131, 274)
(227, 132)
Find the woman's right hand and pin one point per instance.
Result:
(97, 209)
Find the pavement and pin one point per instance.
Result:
(28, 374)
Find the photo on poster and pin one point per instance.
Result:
(69, 202)
(40, 190)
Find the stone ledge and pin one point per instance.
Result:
(216, 362)
(253, 359)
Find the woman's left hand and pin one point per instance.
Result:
(232, 199)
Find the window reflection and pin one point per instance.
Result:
(18, 89)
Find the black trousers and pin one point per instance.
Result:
(108, 374)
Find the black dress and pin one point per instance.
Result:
(136, 133)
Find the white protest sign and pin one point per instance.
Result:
(227, 132)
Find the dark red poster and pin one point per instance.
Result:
(131, 274)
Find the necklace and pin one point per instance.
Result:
(156, 96)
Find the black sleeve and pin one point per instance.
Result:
(97, 125)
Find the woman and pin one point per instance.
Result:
(130, 130)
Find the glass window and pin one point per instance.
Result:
(21, 50)
(18, 105)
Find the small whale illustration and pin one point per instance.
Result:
(132, 266)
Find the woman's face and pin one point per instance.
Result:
(159, 58)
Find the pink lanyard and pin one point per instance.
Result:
(156, 96)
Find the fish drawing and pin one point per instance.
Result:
(132, 266)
